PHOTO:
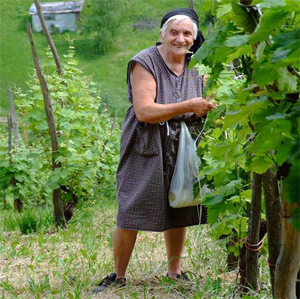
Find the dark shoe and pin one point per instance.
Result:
(109, 281)
(179, 277)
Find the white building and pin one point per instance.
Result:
(59, 16)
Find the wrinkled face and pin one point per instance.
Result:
(178, 38)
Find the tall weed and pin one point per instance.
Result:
(28, 222)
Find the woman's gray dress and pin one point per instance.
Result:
(148, 152)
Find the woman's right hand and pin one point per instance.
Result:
(201, 106)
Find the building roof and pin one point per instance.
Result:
(58, 7)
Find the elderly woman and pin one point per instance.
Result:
(163, 91)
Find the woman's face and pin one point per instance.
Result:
(178, 38)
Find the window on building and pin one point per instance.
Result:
(49, 17)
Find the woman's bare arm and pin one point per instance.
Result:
(144, 94)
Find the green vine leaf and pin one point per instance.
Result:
(269, 22)
(269, 3)
(242, 17)
(260, 165)
(223, 10)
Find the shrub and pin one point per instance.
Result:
(88, 148)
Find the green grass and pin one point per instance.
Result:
(26, 222)
(109, 70)
(67, 263)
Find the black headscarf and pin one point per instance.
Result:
(192, 15)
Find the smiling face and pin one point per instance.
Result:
(179, 37)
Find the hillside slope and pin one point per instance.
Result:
(109, 70)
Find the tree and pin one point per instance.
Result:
(102, 19)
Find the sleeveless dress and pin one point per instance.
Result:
(148, 152)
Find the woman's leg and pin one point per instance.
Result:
(123, 244)
(174, 239)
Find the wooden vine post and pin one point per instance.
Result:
(272, 202)
(49, 38)
(9, 142)
(57, 201)
(13, 119)
(70, 205)
(249, 259)
(13, 131)
(24, 135)
(252, 242)
(191, 4)
(288, 262)
(18, 204)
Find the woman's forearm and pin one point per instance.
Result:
(155, 113)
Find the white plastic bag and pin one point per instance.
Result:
(186, 172)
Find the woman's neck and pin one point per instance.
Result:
(174, 63)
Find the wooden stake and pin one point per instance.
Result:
(253, 234)
(24, 135)
(272, 202)
(106, 101)
(191, 4)
(114, 121)
(13, 119)
(288, 262)
(49, 38)
(9, 143)
(58, 206)
(18, 204)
